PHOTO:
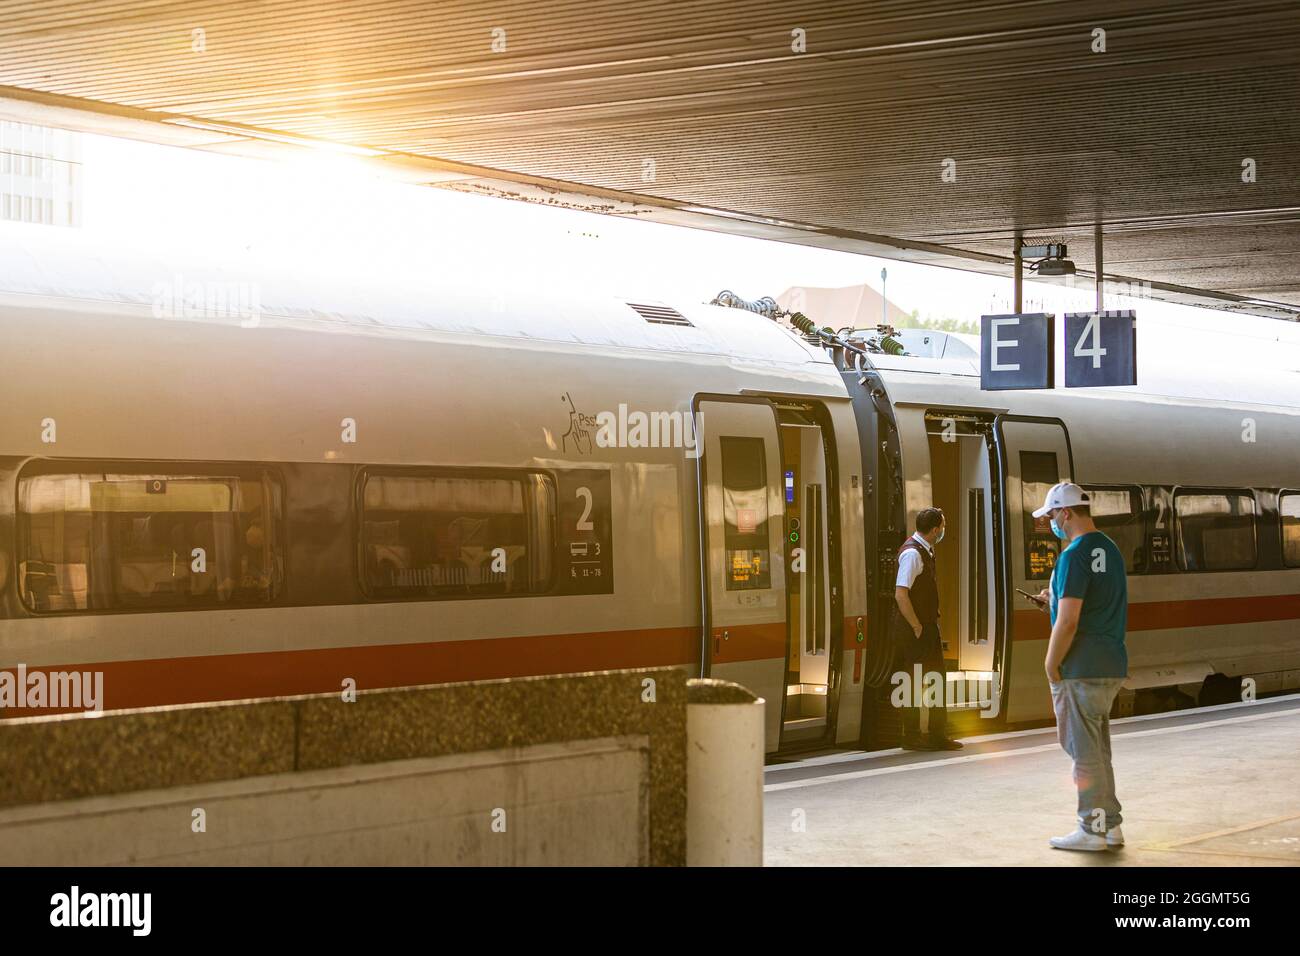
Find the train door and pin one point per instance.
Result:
(742, 518)
(1033, 455)
(811, 590)
(961, 484)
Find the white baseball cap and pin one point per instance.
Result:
(1066, 494)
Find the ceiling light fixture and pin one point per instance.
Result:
(1051, 260)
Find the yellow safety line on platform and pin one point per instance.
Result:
(1171, 844)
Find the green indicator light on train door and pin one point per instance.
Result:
(794, 536)
(861, 637)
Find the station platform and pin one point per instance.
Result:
(1213, 786)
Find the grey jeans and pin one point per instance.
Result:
(1082, 708)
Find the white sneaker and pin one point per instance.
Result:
(1115, 836)
(1080, 839)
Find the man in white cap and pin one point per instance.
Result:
(1086, 659)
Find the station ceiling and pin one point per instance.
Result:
(927, 130)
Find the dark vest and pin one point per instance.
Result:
(925, 589)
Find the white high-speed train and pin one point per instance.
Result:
(206, 501)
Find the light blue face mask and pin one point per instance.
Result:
(1056, 530)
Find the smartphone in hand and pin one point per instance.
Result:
(1033, 597)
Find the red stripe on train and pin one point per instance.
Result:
(183, 680)
(186, 680)
(1163, 615)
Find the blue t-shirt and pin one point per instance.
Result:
(1092, 568)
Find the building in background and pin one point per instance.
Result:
(859, 307)
(853, 306)
(40, 175)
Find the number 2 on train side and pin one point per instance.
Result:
(584, 523)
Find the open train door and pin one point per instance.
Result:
(1033, 454)
(742, 523)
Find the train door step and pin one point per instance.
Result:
(971, 694)
(970, 690)
(805, 713)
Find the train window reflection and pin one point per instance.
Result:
(1289, 509)
(443, 536)
(1215, 531)
(1117, 512)
(99, 541)
(744, 491)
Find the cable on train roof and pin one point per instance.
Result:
(884, 342)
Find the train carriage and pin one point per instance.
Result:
(395, 487)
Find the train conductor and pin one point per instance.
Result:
(916, 591)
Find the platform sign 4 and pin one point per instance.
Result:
(1100, 348)
(1016, 350)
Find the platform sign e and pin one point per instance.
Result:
(1016, 350)
(1100, 348)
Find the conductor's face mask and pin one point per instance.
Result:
(1056, 529)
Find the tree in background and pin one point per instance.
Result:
(939, 324)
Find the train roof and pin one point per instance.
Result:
(63, 270)
(69, 271)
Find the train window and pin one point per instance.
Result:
(1117, 512)
(1215, 531)
(1038, 473)
(744, 490)
(1289, 509)
(455, 535)
(112, 541)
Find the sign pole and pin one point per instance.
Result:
(1019, 282)
(884, 303)
(1101, 307)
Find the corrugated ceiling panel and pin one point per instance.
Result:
(1046, 134)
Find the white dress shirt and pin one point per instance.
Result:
(910, 565)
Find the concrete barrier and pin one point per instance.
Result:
(583, 769)
(577, 769)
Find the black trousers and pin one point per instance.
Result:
(926, 650)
